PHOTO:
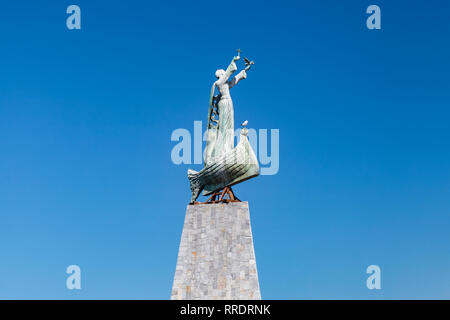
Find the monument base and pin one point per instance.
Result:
(216, 260)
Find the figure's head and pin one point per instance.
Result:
(219, 73)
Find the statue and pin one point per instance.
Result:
(225, 165)
(221, 140)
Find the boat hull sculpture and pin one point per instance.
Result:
(225, 165)
(236, 166)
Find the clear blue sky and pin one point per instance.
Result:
(86, 116)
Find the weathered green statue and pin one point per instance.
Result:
(225, 165)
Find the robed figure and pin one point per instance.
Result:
(220, 127)
(225, 164)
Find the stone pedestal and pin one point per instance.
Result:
(216, 259)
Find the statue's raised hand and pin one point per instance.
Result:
(236, 58)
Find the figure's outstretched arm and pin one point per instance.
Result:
(230, 70)
(241, 75)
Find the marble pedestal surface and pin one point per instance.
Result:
(216, 259)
